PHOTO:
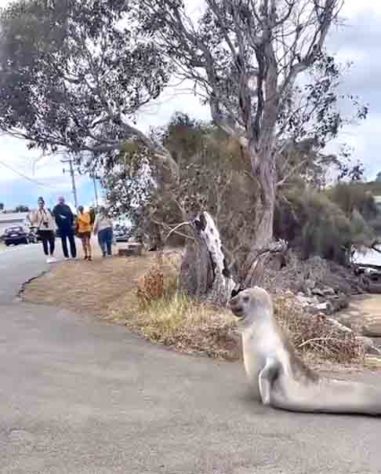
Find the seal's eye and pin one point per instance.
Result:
(245, 299)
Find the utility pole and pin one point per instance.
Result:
(72, 174)
(94, 178)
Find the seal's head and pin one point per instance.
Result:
(251, 304)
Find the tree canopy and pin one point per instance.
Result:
(74, 73)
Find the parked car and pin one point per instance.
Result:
(121, 233)
(15, 235)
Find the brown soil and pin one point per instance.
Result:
(89, 287)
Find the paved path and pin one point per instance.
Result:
(82, 396)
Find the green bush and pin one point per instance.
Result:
(352, 197)
(315, 225)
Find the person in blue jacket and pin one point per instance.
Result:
(65, 223)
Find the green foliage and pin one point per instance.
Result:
(352, 197)
(214, 175)
(315, 225)
(73, 73)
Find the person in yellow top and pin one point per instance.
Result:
(84, 229)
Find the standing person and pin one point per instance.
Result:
(43, 221)
(84, 231)
(103, 227)
(65, 223)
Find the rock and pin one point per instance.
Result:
(340, 326)
(373, 362)
(323, 291)
(325, 308)
(327, 291)
(370, 348)
(339, 302)
(318, 292)
(346, 320)
(372, 325)
(306, 301)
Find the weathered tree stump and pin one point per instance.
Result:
(204, 272)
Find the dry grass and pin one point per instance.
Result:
(164, 315)
(88, 287)
(141, 293)
(179, 322)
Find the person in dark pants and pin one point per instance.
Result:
(103, 228)
(65, 223)
(43, 221)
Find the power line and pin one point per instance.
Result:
(22, 175)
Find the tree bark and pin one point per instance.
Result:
(264, 251)
(204, 272)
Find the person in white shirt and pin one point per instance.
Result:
(42, 219)
(103, 228)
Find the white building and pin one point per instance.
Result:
(12, 219)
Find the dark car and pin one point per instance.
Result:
(15, 235)
(121, 233)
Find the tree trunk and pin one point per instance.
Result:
(204, 272)
(264, 251)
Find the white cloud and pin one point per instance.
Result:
(352, 8)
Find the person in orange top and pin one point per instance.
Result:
(84, 228)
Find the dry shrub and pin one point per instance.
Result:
(161, 280)
(316, 335)
(151, 286)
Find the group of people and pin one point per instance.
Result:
(83, 225)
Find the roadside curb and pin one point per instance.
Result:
(19, 295)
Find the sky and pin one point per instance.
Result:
(25, 174)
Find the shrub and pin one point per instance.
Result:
(151, 286)
(354, 197)
(315, 225)
(316, 335)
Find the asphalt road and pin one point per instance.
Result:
(81, 396)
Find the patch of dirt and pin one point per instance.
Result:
(89, 287)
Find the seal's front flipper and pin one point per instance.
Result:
(266, 378)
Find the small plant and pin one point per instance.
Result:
(165, 316)
(151, 286)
